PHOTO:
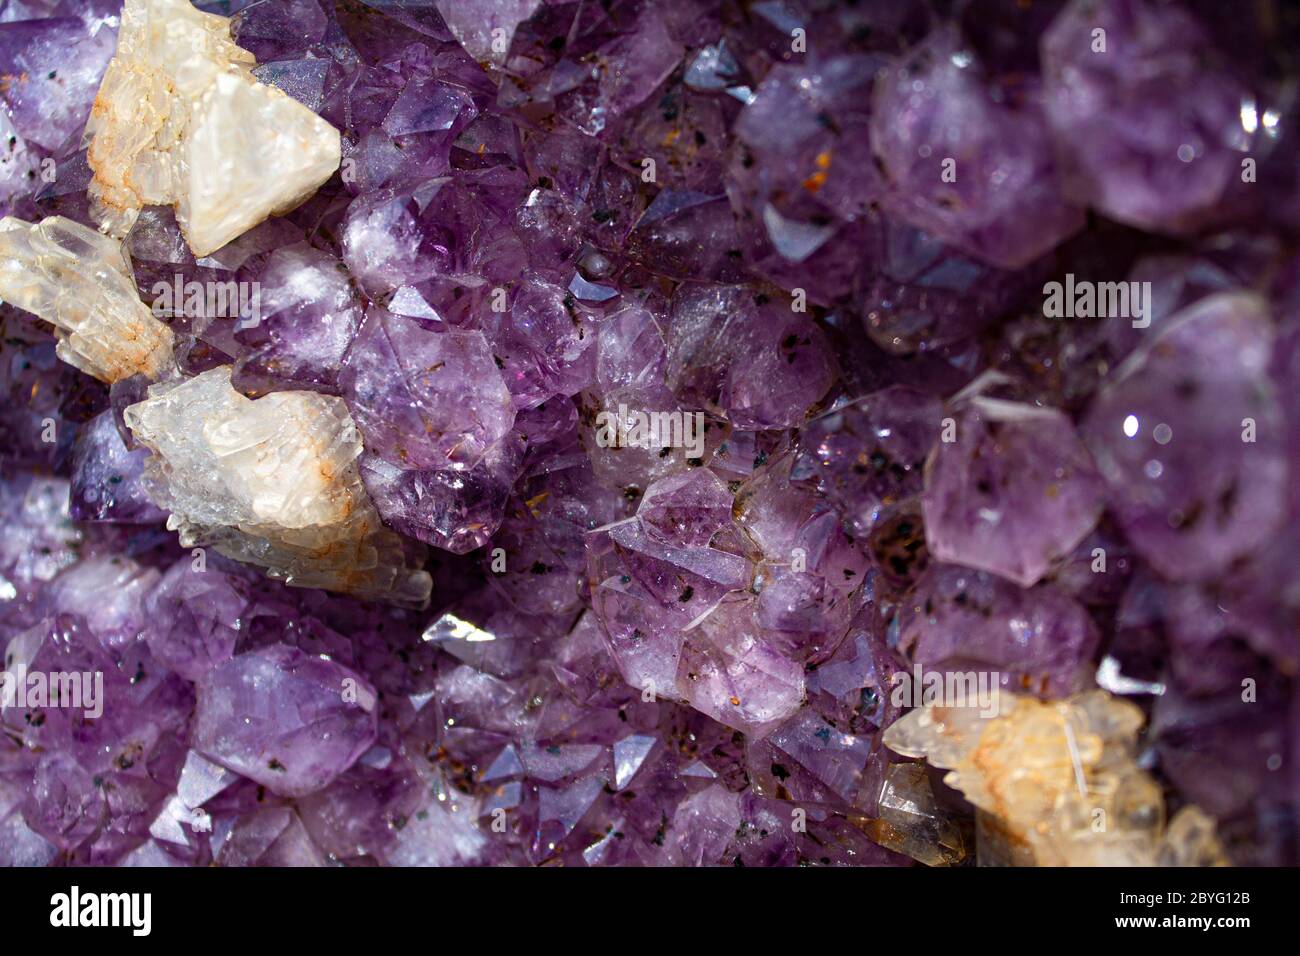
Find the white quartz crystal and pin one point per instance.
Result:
(272, 481)
(181, 121)
(81, 283)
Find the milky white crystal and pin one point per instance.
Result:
(81, 283)
(1057, 782)
(272, 481)
(181, 121)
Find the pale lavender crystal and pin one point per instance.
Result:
(361, 814)
(686, 509)
(63, 804)
(20, 845)
(806, 606)
(306, 316)
(805, 119)
(268, 836)
(544, 341)
(636, 59)
(195, 616)
(730, 673)
(460, 228)
(703, 825)
(631, 361)
(40, 539)
(1038, 640)
(1012, 493)
(485, 27)
(1152, 129)
(291, 722)
(1189, 438)
(967, 162)
(803, 174)
(703, 624)
(763, 362)
(47, 92)
(686, 581)
(456, 507)
(111, 596)
(106, 477)
(424, 399)
(95, 778)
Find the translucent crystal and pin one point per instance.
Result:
(912, 822)
(180, 120)
(289, 720)
(1189, 436)
(273, 482)
(1013, 493)
(81, 283)
(485, 27)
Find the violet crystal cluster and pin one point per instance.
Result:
(375, 568)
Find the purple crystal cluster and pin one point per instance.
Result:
(815, 238)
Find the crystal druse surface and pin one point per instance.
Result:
(650, 433)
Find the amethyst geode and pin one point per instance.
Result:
(806, 248)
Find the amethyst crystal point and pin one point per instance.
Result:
(967, 161)
(47, 93)
(424, 399)
(453, 507)
(485, 27)
(802, 173)
(1189, 438)
(851, 689)
(867, 455)
(820, 763)
(459, 227)
(729, 671)
(107, 477)
(305, 317)
(544, 341)
(687, 508)
(40, 538)
(1151, 128)
(1012, 492)
(764, 363)
(1038, 640)
(288, 721)
(919, 293)
(194, 618)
